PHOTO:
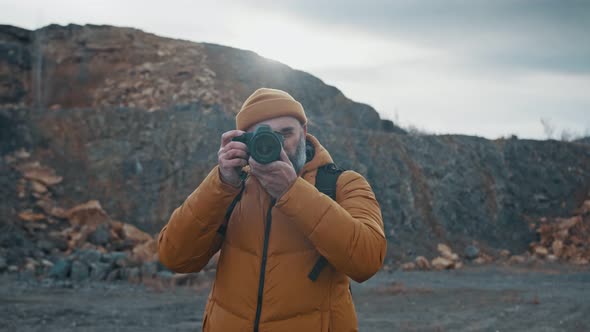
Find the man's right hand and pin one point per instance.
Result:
(232, 156)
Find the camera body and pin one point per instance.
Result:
(263, 144)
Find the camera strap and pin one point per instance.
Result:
(325, 182)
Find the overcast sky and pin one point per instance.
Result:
(486, 68)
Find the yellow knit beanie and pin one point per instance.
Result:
(266, 104)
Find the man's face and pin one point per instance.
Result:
(294, 138)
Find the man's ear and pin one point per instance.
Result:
(304, 129)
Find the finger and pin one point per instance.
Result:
(234, 145)
(257, 167)
(227, 136)
(285, 158)
(253, 163)
(235, 163)
(234, 153)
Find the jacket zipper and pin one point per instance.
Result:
(263, 265)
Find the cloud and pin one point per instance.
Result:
(542, 35)
(486, 68)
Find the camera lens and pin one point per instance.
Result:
(267, 148)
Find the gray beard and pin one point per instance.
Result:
(298, 160)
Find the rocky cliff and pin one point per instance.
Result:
(134, 120)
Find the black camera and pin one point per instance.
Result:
(263, 144)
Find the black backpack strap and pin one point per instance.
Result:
(325, 182)
(223, 228)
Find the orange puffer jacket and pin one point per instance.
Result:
(262, 280)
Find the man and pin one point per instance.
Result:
(277, 231)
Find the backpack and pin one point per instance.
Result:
(325, 182)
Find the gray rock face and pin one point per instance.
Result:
(142, 165)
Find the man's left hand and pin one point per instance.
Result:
(276, 177)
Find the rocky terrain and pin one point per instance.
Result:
(132, 121)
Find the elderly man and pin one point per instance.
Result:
(277, 230)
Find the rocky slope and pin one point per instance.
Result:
(133, 120)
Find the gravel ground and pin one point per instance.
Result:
(486, 298)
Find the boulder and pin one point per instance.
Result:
(441, 263)
(147, 251)
(422, 263)
(410, 266)
(61, 269)
(38, 187)
(80, 271)
(557, 247)
(471, 252)
(89, 213)
(517, 259)
(100, 236)
(99, 271)
(134, 234)
(29, 215)
(45, 175)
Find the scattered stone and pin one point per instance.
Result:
(38, 187)
(444, 250)
(471, 252)
(22, 154)
(146, 251)
(61, 269)
(47, 264)
(44, 175)
(441, 263)
(409, 266)
(89, 213)
(101, 236)
(517, 259)
(422, 263)
(99, 271)
(551, 258)
(29, 215)
(557, 247)
(114, 275)
(540, 251)
(80, 271)
(135, 234)
(50, 209)
(479, 261)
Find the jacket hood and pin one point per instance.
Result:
(321, 156)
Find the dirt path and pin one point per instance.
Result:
(474, 299)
